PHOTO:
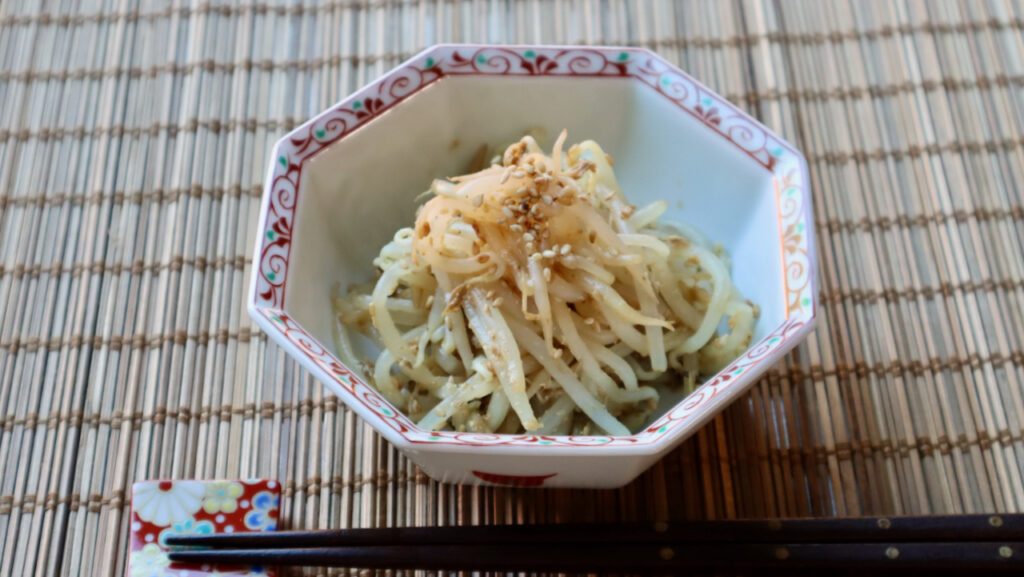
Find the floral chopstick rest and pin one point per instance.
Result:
(162, 508)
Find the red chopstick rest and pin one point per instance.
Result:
(185, 507)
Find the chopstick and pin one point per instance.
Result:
(636, 558)
(831, 530)
(945, 543)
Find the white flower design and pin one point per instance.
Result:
(150, 561)
(222, 496)
(165, 502)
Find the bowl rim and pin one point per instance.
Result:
(265, 302)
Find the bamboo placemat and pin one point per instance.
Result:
(133, 140)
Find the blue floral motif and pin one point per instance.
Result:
(187, 527)
(259, 519)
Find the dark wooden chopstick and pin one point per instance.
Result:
(860, 530)
(946, 556)
(946, 543)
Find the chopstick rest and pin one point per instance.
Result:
(164, 508)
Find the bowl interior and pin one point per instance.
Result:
(356, 193)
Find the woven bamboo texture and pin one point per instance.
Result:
(133, 141)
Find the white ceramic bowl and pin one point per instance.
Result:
(340, 185)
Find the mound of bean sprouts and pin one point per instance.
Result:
(531, 295)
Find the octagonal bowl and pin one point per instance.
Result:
(340, 185)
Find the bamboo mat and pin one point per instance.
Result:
(133, 140)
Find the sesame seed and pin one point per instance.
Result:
(519, 174)
(506, 211)
(498, 301)
(547, 274)
(535, 256)
(547, 199)
(478, 200)
(516, 227)
(521, 190)
(548, 254)
(565, 249)
(588, 321)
